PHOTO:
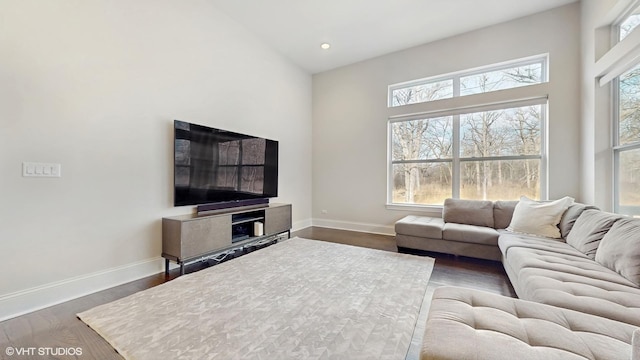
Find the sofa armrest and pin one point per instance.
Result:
(420, 226)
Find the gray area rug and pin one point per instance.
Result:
(299, 299)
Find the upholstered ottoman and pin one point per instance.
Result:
(470, 324)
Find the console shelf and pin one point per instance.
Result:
(246, 220)
(187, 238)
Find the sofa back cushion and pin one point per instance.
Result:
(589, 229)
(470, 212)
(539, 218)
(619, 249)
(570, 216)
(502, 213)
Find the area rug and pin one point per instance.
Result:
(299, 299)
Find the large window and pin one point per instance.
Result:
(490, 151)
(626, 128)
(627, 143)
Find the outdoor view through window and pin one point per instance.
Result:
(627, 151)
(626, 127)
(494, 155)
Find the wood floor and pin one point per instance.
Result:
(57, 326)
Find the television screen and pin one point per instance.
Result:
(213, 165)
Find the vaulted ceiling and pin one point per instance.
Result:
(363, 29)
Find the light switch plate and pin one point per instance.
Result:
(33, 169)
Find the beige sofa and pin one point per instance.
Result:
(579, 294)
(467, 228)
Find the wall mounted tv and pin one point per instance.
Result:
(214, 166)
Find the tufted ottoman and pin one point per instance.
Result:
(470, 324)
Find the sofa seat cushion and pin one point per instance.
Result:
(470, 324)
(470, 234)
(521, 259)
(420, 226)
(554, 273)
(581, 293)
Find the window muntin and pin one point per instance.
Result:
(510, 75)
(498, 156)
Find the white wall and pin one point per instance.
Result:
(95, 86)
(350, 113)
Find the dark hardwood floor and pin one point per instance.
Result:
(58, 327)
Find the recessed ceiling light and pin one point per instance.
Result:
(325, 46)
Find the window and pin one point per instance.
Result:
(497, 77)
(626, 127)
(497, 156)
(422, 92)
(487, 151)
(628, 25)
(627, 144)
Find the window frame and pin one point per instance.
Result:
(616, 147)
(543, 59)
(441, 107)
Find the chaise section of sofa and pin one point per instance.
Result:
(568, 275)
(471, 324)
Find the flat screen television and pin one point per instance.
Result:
(214, 165)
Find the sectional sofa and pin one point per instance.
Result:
(575, 269)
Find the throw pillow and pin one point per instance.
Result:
(470, 212)
(619, 249)
(539, 218)
(589, 229)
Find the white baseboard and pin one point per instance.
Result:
(355, 226)
(40, 297)
(302, 224)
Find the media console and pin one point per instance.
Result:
(187, 238)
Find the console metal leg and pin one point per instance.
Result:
(166, 266)
(181, 268)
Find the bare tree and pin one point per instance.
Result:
(419, 139)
